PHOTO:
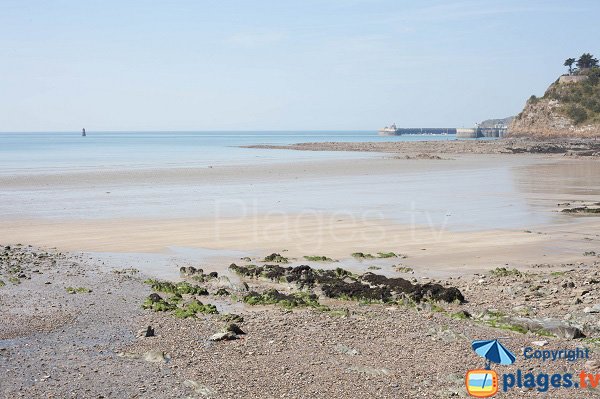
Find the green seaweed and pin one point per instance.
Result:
(460, 315)
(231, 318)
(504, 272)
(176, 288)
(78, 290)
(387, 255)
(274, 297)
(362, 255)
(319, 259)
(193, 308)
(277, 258)
(158, 305)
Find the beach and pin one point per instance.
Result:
(485, 217)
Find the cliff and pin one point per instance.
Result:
(489, 123)
(570, 108)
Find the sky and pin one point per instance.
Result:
(280, 65)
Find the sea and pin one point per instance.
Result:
(495, 194)
(59, 151)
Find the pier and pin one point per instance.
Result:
(496, 131)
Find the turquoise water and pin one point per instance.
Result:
(29, 152)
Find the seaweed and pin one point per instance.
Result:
(277, 258)
(272, 296)
(340, 283)
(78, 290)
(504, 272)
(319, 259)
(176, 288)
(387, 255)
(361, 255)
(193, 308)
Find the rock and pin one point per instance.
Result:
(146, 332)
(231, 317)
(223, 336)
(234, 328)
(155, 356)
(593, 309)
(190, 271)
(592, 365)
(242, 287)
(444, 334)
(199, 388)
(540, 343)
(523, 310)
(346, 350)
(559, 328)
(154, 297)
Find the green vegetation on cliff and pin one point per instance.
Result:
(570, 107)
(579, 100)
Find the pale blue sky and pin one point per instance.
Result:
(282, 64)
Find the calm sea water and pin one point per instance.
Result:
(49, 151)
(456, 197)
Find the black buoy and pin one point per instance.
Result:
(83, 132)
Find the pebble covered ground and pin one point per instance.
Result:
(72, 328)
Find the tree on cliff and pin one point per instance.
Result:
(587, 61)
(569, 63)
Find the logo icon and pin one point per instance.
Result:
(483, 383)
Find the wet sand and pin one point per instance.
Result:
(429, 251)
(467, 213)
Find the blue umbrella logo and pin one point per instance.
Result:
(493, 351)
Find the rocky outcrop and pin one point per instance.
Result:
(570, 108)
(545, 119)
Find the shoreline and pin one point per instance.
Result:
(575, 147)
(440, 251)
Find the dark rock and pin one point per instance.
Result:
(340, 283)
(146, 332)
(234, 328)
(223, 336)
(154, 297)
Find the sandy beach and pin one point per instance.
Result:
(502, 238)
